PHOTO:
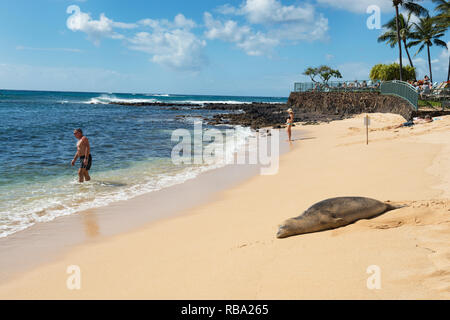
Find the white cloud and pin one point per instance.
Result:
(254, 44)
(358, 6)
(180, 21)
(227, 31)
(273, 11)
(95, 29)
(278, 22)
(329, 57)
(171, 44)
(227, 9)
(258, 44)
(281, 21)
(267, 24)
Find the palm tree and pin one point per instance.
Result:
(443, 12)
(390, 36)
(427, 32)
(443, 18)
(410, 6)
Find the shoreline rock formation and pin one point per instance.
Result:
(309, 108)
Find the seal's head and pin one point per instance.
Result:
(292, 227)
(295, 226)
(286, 229)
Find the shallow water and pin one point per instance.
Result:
(131, 148)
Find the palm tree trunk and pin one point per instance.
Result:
(409, 57)
(407, 52)
(429, 64)
(399, 42)
(448, 75)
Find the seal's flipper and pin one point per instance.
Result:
(394, 206)
(327, 218)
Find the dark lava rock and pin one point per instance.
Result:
(347, 104)
(310, 108)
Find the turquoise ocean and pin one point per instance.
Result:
(131, 148)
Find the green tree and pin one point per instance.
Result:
(325, 73)
(442, 12)
(388, 72)
(390, 36)
(443, 18)
(428, 32)
(410, 6)
(312, 73)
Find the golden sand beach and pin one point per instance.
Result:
(227, 249)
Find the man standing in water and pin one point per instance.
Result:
(84, 153)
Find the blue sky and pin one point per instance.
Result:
(231, 47)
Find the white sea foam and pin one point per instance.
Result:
(106, 99)
(64, 196)
(158, 95)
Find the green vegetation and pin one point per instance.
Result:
(425, 33)
(390, 36)
(433, 104)
(428, 33)
(325, 73)
(442, 18)
(412, 7)
(387, 72)
(443, 12)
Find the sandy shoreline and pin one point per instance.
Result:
(226, 248)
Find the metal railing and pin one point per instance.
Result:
(442, 94)
(401, 89)
(337, 86)
(397, 88)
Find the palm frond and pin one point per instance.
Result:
(420, 49)
(440, 43)
(415, 8)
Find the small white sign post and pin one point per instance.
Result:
(367, 124)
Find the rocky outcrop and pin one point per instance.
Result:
(309, 108)
(348, 103)
(259, 115)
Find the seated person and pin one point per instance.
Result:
(427, 119)
(425, 90)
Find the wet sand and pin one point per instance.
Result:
(225, 248)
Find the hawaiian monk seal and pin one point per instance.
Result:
(331, 214)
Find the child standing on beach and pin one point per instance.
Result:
(289, 123)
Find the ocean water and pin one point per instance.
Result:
(131, 148)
